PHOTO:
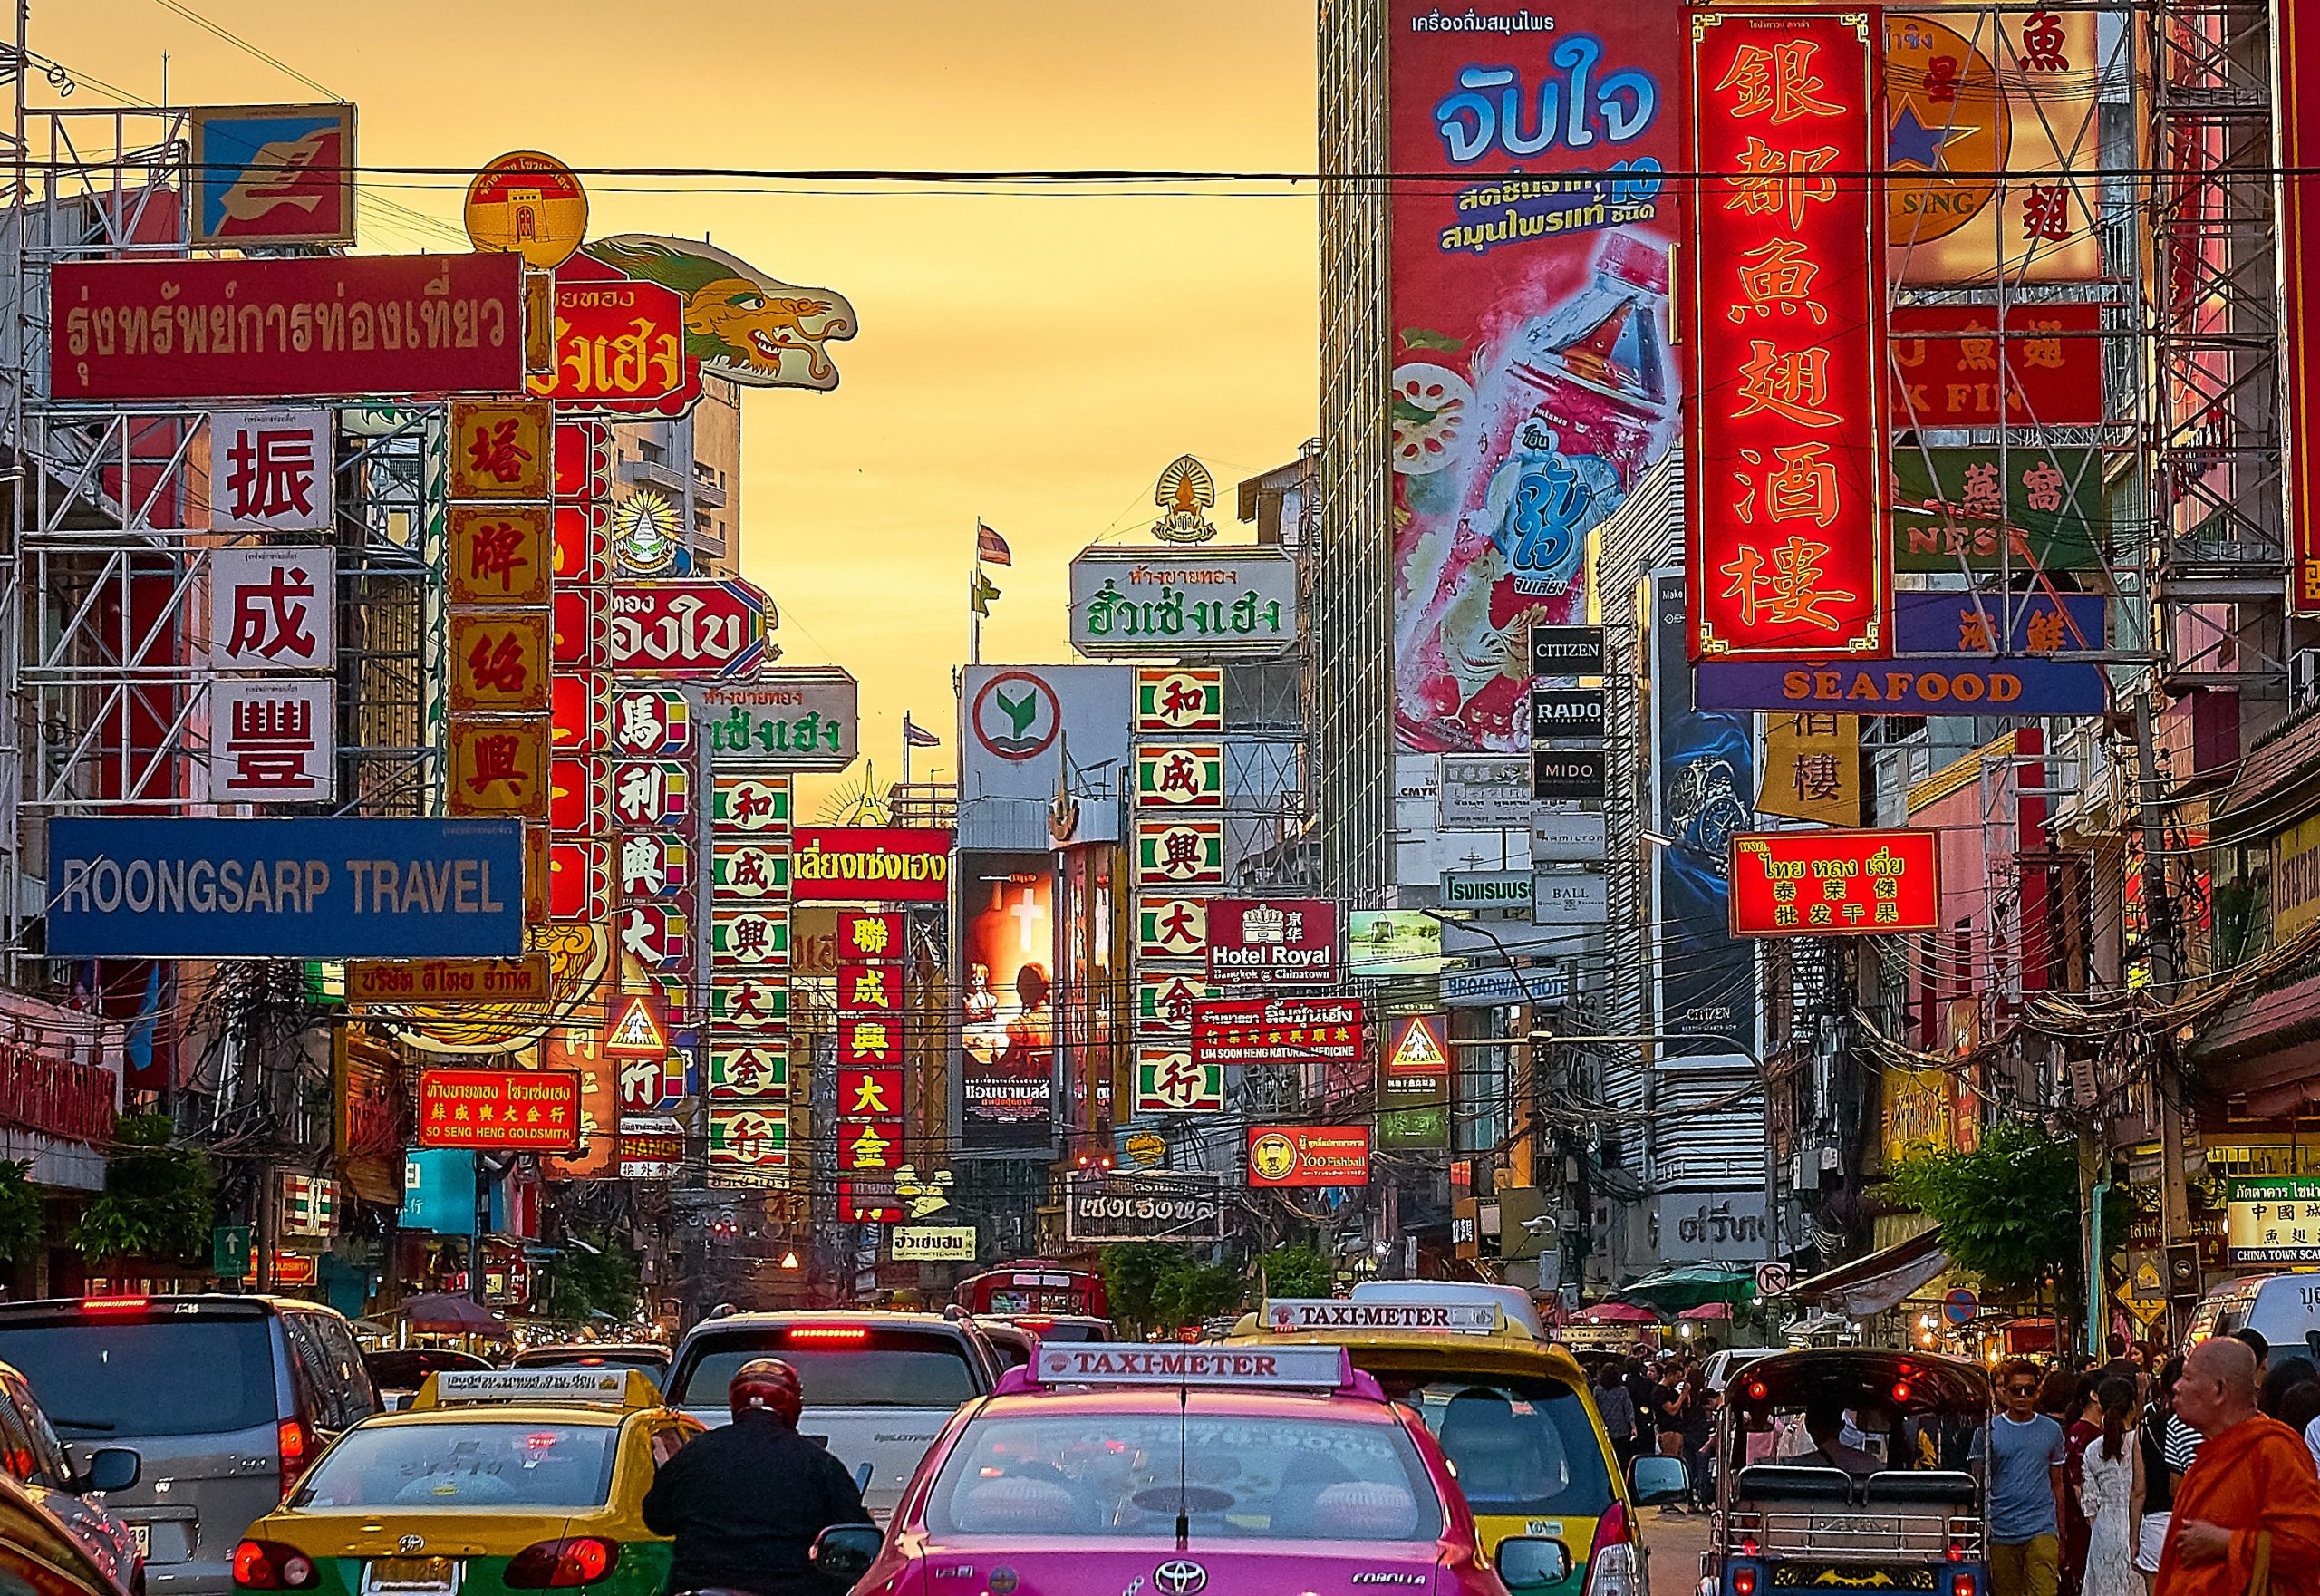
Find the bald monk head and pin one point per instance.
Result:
(2218, 1386)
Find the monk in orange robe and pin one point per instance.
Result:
(2254, 1475)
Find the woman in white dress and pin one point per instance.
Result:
(2113, 1480)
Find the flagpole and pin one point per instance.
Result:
(905, 749)
(974, 602)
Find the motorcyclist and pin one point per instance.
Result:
(744, 1503)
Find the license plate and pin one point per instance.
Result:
(412, 1576)
(141, 1535)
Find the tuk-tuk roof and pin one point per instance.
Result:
(1912, 1382)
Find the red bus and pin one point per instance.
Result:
(1033, 1286)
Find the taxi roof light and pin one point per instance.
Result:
(1337, 1313)
(1209, 1368)
(556, 1388)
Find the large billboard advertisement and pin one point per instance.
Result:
(1703, 780)
(1531, 372)
(1006, 1062)
(1028, 732)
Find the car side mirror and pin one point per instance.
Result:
(845, 1552)
(1653, 1479)
(1532, 1562)
(112, 1468)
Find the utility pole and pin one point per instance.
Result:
(2167, 1099)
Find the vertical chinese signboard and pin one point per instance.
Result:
(1785, 318)
(2297, 36)
(1531, 380)
(747, 1028)
(870, 1060)
(1179, 771)
(499, 643)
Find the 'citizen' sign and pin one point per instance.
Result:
(1566, 651)
(1567, 773)
(1566, 712)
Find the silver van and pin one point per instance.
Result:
(226, 1400)
(2283, 1309)
(878, 1386)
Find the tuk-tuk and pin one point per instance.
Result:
(1849, 1468)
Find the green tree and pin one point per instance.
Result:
(1133, 1273)
(2009, 1210)
(1191, 1291)
(23, 1216)
(602, 1277)
(157, 1198)
(1298, 1271)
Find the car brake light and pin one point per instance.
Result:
(1757, 1390)
(1961, 1584)
(1612, 1568)
(581, 1559)
(291, 1437)
(826, 1333)
(1035, 1321)
(114, 1305)
(267, 1565)
(1743, 1581)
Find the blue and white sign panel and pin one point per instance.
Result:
(292, 888)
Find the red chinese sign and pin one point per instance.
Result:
(534, 1109)
(1953, 367)
(321, 327)
(871, 1029)
(687, 629)
(1835, 882)
(1279, 1030)
(620, 346)
(1783, 420)
(2297, 40)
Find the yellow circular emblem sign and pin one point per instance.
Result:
(1272, 1156)
(528, 204)
(1946, 131)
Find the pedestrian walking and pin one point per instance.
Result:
(2110, 1479)
(2248, 1512)
(1617, 1408)
(2023, 1454)
(2155, 1484)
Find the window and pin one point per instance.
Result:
(1278, 1476)
(105, 1378)
(495, 1464)
(1522, 1446)
(882, 1370)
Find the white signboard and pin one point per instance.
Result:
(269, 471)
(1569, 897)
(1018, 726)
(1187, 604)
(274, 609)
(1326, 1313)
(1566, 836)
(1486, 792)
(933, 1244)
(274, 740)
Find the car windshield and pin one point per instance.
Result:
(887, 1369)
(486, 1463)
(1278, 1477)
(1523, 1446)
(100, 1378)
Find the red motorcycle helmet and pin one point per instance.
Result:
(770, 1384)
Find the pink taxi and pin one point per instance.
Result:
(1171, 1471)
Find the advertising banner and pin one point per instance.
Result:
(1006, 1060)
(2295, 44)
(1835, 882)
(322, 328)
(1563, 773)
(1028, 731)
(536, 1110)
(1484, 792)
(158, 887)
(686, 628)
(1566, 712)
(877, 864)
(1531, 381)
(1926, 625)
(1392, 942)
(1566, 836)
(1569, 897)
(1309, 1155)
(1953, 365)
(1142, 1208)
(1199, 603)
(1967, 509)
(1566, 651)
(1784, 441)
(1234, 1032)
(2295, 879)
(1811, 768)
(1272, 942)
(269, 174)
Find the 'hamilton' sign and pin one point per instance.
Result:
(1567, 773)
(1144, 1208)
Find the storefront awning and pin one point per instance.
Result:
(1873, 1284)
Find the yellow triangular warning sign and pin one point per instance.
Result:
(636, 1034)
(1418, 1053)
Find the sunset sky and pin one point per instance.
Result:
(1033, 358)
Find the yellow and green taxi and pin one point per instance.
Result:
(1513, 1414)
(491, 1481)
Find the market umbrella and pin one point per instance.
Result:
(1688, 1285)
(441, 1313)
(1708, 1311)
(1618, 1313)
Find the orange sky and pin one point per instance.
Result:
(1033, 359)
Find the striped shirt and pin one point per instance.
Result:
(2182, 1446)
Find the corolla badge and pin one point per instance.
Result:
(1179, 1578)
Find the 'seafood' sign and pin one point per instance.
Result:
(1835, 882)
(374, 981)
(1110, 1363)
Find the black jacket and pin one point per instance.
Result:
(744, 1504)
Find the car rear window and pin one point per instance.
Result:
(875, 1369)
(1279, 1478)
(488, 1463)
(98, 1378)
(1523, 1446)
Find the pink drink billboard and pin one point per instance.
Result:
(1532, 378)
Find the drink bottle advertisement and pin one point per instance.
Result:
(1532, 378)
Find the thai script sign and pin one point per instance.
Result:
(1309, 1155)
(2272, 1220)
(57, 1097)
(1972, 508)
(1279, 1030)
(1957, 624)
(931, 1243)
(1486, 889)
(881, 864)
(1785, 321)
(1835, 882)
(686, 628)
(790, 720)
(1272, 942)
(2295, 879)
(319, 328)
(1953, 366)
(2295, 42)
(269, 174)
(161, 887)
(619, 347)
(538, 1111)
(1144, 1208)
(448, 981)
(1217, 601)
